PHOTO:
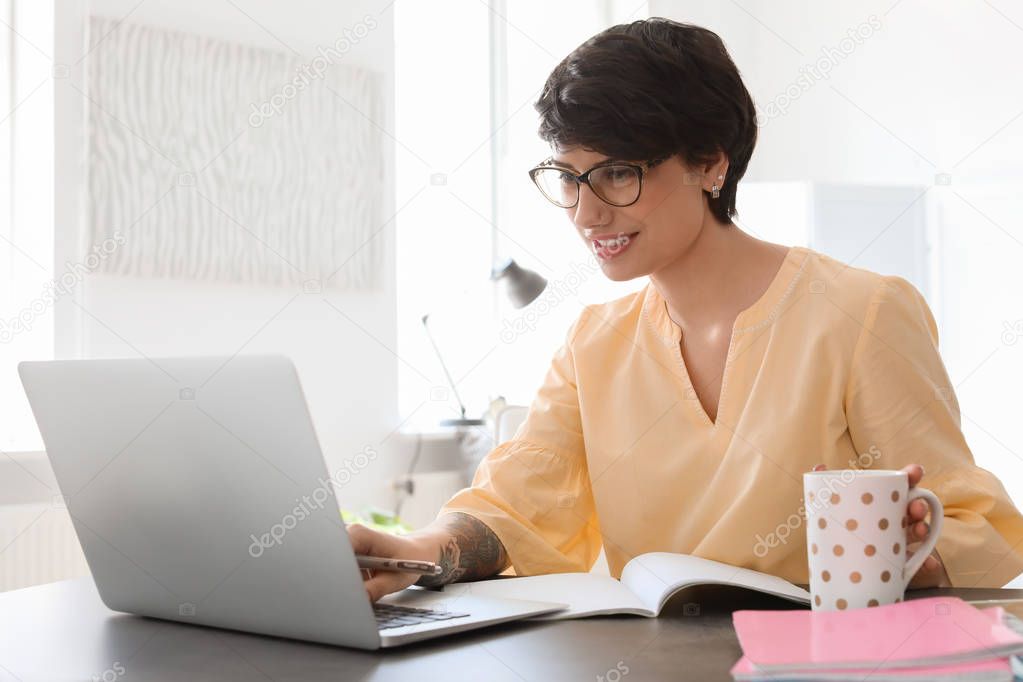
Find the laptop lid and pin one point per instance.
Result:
(200, 494)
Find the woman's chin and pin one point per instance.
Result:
(620, 272)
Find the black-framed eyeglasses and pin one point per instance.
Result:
(614, 182)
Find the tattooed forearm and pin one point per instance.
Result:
(471, 552)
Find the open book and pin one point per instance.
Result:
(648, 581)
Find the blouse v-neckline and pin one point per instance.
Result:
(761, 312)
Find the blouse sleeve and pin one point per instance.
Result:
(901, 406)
(533, 491)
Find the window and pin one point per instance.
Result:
(26, 209)
(466, 135)
(443, 197)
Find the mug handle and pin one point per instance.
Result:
(937, 518)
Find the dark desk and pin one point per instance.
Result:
(62, 631)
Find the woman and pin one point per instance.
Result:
(682, 417)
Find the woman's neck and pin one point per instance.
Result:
(723, 272)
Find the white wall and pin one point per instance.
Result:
(347, 366)
(930, 83)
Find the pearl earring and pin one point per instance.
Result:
(715, 191)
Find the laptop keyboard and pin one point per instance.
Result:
(392, 616)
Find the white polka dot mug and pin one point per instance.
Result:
(856, 536)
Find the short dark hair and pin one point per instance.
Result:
(653, 88)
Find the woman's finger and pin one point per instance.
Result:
(929, 574)
(385, 582)
(916, 472)
(917, 510)
(917, 532)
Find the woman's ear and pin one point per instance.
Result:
(715, 172)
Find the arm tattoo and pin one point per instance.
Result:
(472, 552)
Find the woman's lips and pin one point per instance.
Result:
(609, 247)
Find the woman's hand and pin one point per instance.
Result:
(932, 573)
(374, 543)
(465, 549)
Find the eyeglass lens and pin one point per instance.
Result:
(616, 185)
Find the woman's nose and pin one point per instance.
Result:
(590, 211)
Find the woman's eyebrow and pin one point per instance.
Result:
(562, 164)
(568, 166)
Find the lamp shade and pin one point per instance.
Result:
(521, 285)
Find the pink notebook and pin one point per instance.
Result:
(991, 670)
(915, 633)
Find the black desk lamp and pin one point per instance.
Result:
(522, 287)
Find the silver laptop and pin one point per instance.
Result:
(199, 494)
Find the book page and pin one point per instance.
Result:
(654, 577)
(587, 594)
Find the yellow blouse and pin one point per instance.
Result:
(832, 365)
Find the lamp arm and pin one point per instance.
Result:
(443, 365)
